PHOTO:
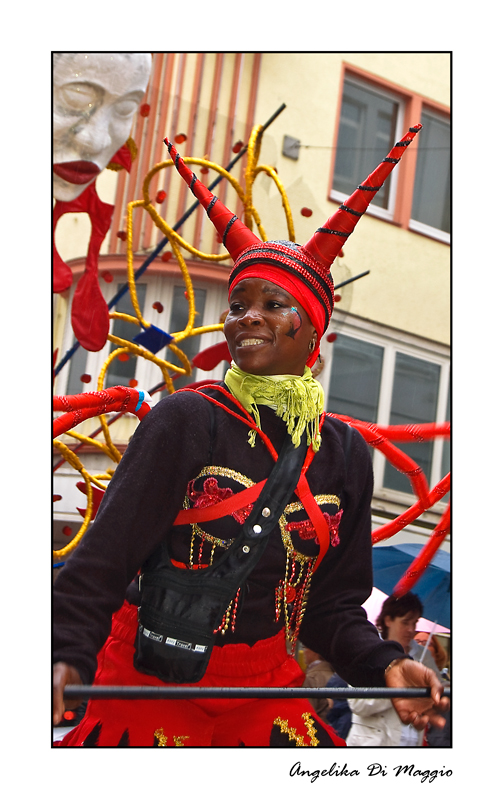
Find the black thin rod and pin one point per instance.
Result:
(187, 692)
(164, 241)
(356, 277)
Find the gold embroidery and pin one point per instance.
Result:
(162, 739)
(293, 734)
(310, 723)
(211, 471)
(226, 473)
(321, 500)
(159, 735)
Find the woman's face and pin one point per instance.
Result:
(422, 638)
(267, 330)
(402, 629)
(95, 98)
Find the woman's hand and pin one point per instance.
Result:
(63, 675)
(417, 711)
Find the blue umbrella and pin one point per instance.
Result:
(390, 562)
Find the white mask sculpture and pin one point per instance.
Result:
(95, 96)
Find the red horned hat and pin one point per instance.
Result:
(304, 271)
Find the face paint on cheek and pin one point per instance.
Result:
(293, 329)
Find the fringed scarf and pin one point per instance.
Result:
(297, 399)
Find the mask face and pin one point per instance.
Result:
(267, 330)
(95, 96)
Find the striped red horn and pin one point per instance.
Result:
(326, 242)
(236, 237)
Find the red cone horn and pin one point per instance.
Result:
(326, 242)
(236, 237)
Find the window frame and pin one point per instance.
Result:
(373, 210)
(411, 107)
(421, 227)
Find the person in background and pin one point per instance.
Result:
(339, 715)
(375, 721)
(435, 648)
(435, 737)
(318, 672)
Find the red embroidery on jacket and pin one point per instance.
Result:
(212, 494)
(306, 530)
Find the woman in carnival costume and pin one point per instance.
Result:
(235, 558)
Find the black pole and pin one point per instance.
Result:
(187, 692)
(69, 353)
(355, 278)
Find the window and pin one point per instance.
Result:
(178, 321)
(122, 369)
(368, 130)
(414, 400)
(372, 120)
(432, 191)
(373, 375)
(354, 386)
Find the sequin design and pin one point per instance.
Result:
(305, 527)
(292, 733)
(211, 494)
(291, 594)
(162, 740)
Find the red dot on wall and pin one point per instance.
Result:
(123, 357)
(180, 138)
(132, 382)
(157, 306)
(107, 276)
(85, 378)
(144, 110)
(161, 195)
(204, 170)
(166, 256)
(306, 212)
(66, 530)
(122, 235)
(331, 337)
(56, 497)
(69, 715)
(237, 146)
(337, 298)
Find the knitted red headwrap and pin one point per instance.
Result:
(287, 265)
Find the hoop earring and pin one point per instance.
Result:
(311, 346)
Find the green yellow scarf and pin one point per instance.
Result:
(297, 399)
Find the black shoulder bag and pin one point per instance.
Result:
(180, 609)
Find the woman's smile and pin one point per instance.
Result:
(267, 330)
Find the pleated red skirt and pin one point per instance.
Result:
(201, 722)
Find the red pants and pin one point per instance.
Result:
(204, 722)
